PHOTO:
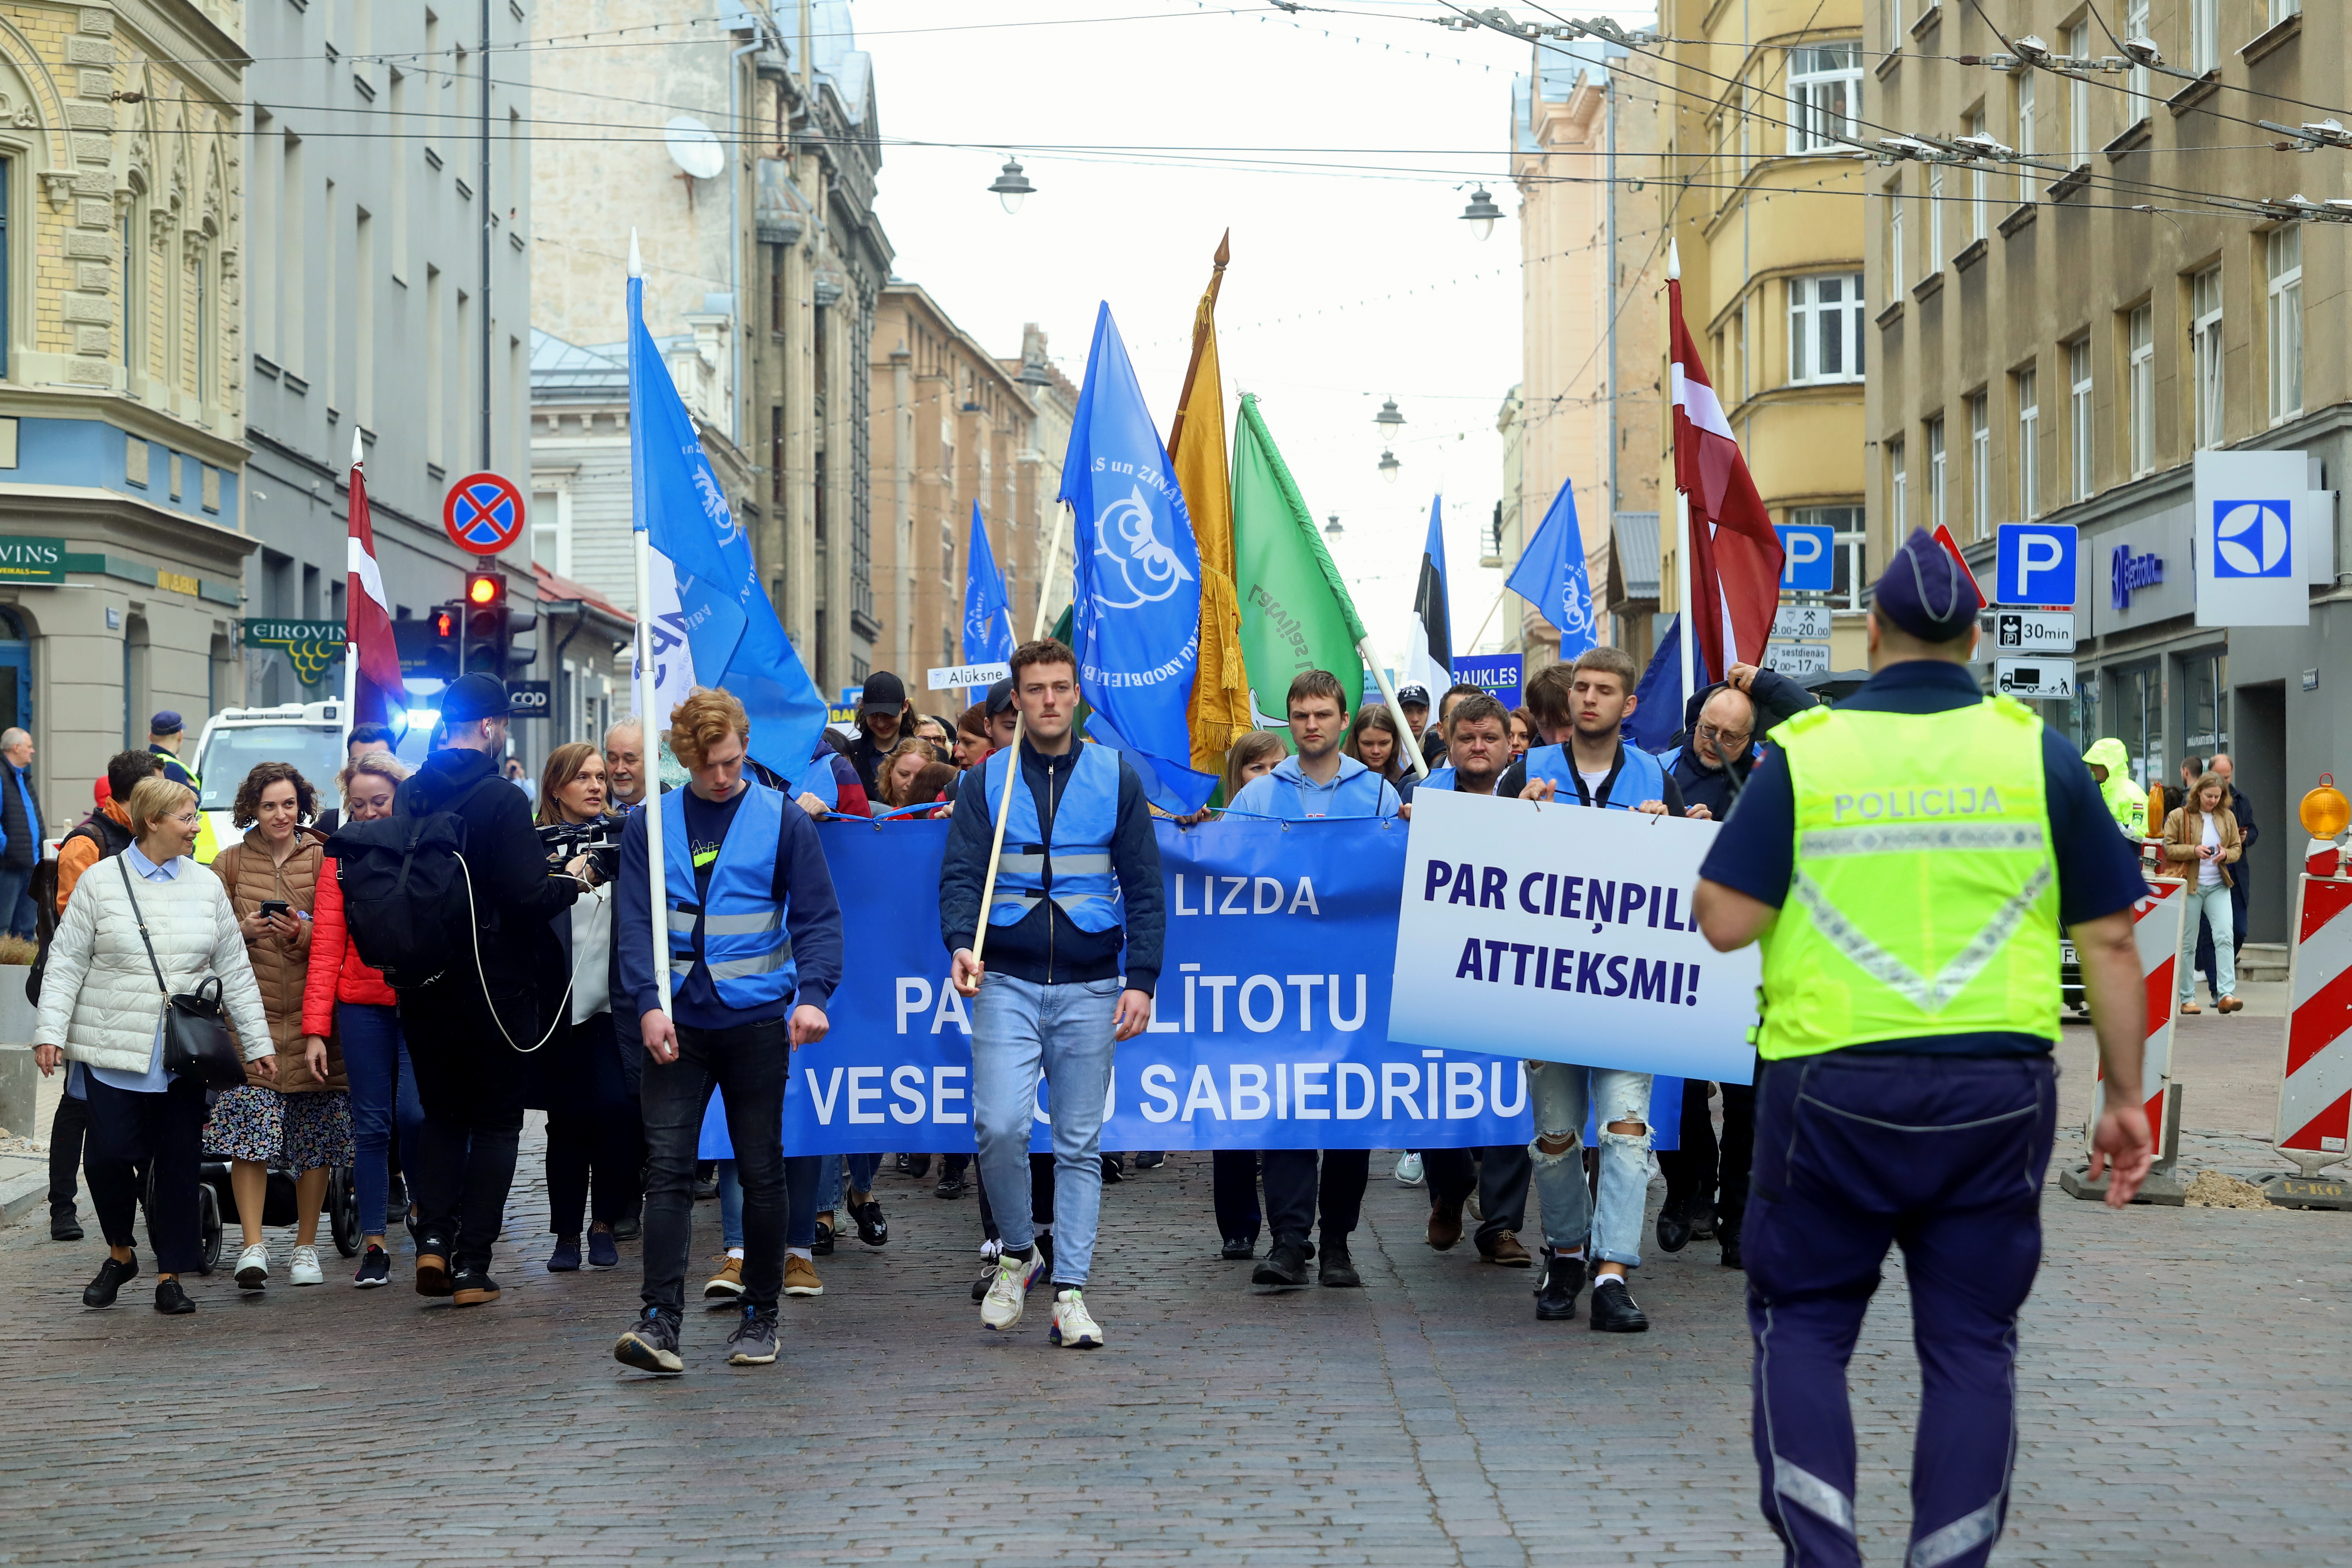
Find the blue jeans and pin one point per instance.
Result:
(384, 1091)
(17, 901)
(2209, 907)
(1020, 1028)
(1561, 1095)
(862, 1168)
(800, 1201)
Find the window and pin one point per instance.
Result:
(1893, 12)
(1935, 518)
(1898, 277)
(2284, 255)
(2079, 446)
(551, 531)
(1934, 259)
(2205, 703)
(2078, 100)
(1980, 467)
(2205, 356)
(1739, 339)
(1824, 93)
(2281, 9)
(1825, 328)
(1898, 492)
(2143, 103)
(2025, 136)
(134, 219)
(1977, 222)
(2141, 412)
(1848, 578)
(2204, 34)
(437, 369)
(2029, 447)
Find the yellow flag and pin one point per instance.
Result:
(1196, 445)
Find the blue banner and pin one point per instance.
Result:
(1496, 674)
(987, 618)
(1270, 1030)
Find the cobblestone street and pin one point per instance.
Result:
(2183, 1374)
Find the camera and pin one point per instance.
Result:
(599, 840)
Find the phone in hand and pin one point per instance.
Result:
(271, 908)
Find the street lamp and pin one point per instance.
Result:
(1481, 213)
(1332, 528)
(1034, 371)
(1388, 466)
(1388, 420)
(1011, 186)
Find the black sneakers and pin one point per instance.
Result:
(651, 1343)
(1284, 1266)
(111, 1278)
(1240, 1248)
(950, 1184)
(1614, 1312)
(1556, 1291)
(1337, 1270)
(753, 1343)
(171, 1301)
(472, 1287)
(65, 1225)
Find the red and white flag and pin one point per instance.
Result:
(1735, 557)
(377, 693)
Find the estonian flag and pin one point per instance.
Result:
(1430, 660)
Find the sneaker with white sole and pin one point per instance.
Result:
(1407, 1170)
(306, 1270)
(253, 1267)
(1073, 1327)
(1008, 1296)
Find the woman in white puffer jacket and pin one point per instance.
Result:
(102, 1011)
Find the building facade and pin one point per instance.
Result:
(1762, 191)
(380, 148)
(1587, 407)
(122, 247)
(749, 181)
(2046, 353)
(1027, 572)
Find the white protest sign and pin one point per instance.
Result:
(1566, 933)
(955, 677)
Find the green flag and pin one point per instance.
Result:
(1295, 612)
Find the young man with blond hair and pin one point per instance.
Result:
(754, 933)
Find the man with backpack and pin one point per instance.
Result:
(469, 1025)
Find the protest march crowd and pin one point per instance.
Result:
(382, 980)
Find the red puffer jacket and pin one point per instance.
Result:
(336, 973)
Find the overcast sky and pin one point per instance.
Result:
(1349, 282)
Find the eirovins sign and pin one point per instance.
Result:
(27, 560)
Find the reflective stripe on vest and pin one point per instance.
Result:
(1639, 780)
(1925, 898)
(1078, 860)
(737, 929)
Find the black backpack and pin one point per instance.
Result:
(406, 903)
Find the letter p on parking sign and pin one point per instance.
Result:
(1807, 565)
(2034, 565)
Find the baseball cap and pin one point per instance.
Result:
(883, 689)
(473, 698)
(1416, 696)
(167, 722)
(1000, 698)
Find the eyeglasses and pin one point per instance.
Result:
(188, 819)
(1725, 740)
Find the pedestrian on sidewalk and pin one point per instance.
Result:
(1910, 1007)
(119, 953)
(25, 838)
(2201, 843)
(754, 934)
(1078, 882)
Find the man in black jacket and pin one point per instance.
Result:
(466, 1030)
(20, 819)
(1721, 724)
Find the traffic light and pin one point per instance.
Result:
(491, 625)
(428, 646)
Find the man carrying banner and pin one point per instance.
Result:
(754, 932)
(1583, 708)
(1078, 879)
(1319, 782)
(1910, 1001)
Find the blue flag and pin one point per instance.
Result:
(1138, 600)
(987, 618)
(1551, 575)
(731, 628)
(1659, 698)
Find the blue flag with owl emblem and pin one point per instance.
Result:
(987, 618)
(1137, 616)
(724, 617)
(1551, 575)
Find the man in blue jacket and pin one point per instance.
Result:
(755, 947)
(1321, 781)
(1078, 879)
(20, 819)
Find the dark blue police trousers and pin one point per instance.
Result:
(1943, 1156)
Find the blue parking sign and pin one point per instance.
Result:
(2034, 565)
(1807, 562)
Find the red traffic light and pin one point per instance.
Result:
(445, 624)
(484, 588)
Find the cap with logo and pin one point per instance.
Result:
(1923, 592)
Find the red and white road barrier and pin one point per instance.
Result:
(2156, 924)
(2315, 1113)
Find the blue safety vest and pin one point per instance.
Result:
(1639, 780)
(1439, 778)
(739, 928)
(1075, 859)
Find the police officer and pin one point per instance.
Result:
(1908, 859)
(166, 732)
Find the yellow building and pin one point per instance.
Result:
(1766, 206)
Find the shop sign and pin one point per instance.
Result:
(312, 646)
(24, 559)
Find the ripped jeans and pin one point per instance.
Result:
(1560, 1096)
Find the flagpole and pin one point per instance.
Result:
(1388, 695)
(648, 735)
(1491, 609)
(1013, 768)
(1683, 592)
(350, 649)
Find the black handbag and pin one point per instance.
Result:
(196, 1041)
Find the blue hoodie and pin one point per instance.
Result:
(1287, 793)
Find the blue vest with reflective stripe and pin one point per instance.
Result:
(739, 929)
(1439, 778)
(1086, 815)
(1639, 780)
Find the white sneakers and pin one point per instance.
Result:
(1408, 1169)
(306, 1270)
(1074, 1327)
(253, 1267)
(1009, 1294)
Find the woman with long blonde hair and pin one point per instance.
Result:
(2202, 833)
